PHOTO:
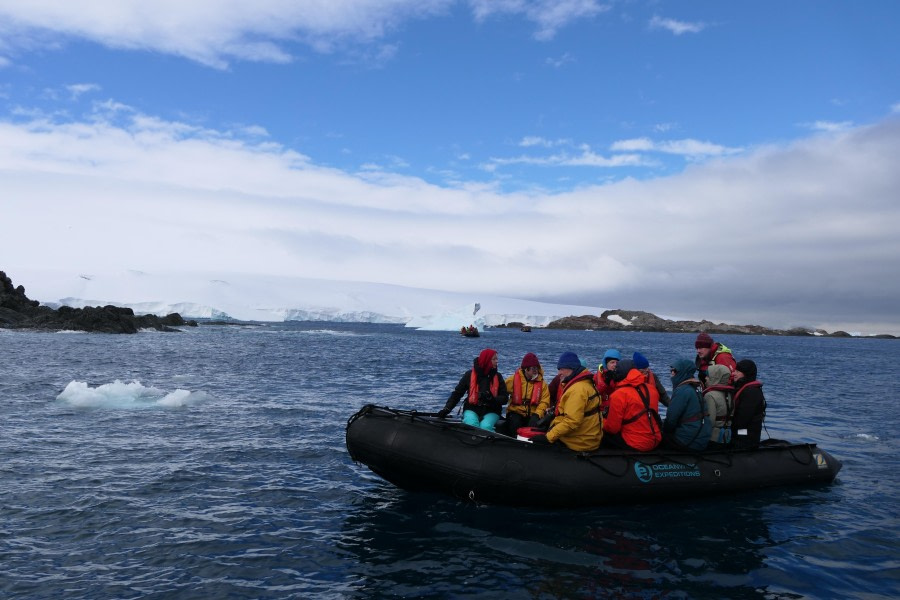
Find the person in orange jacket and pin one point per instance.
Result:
(633, 421)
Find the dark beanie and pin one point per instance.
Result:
(622, 369)
(703, 341)
(530, 360)
(568, 360)
(748, 368)
(640, 361)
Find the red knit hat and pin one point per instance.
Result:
(703, 341)
(485, 358)
(530, 360)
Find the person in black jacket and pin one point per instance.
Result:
(486, 393)
(749, 406)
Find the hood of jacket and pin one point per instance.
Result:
(684, 370)
(718, 375)
(633, 378)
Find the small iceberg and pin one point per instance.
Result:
(119, 395)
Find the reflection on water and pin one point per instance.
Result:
(700, 549)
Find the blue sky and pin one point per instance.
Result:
(373, 131)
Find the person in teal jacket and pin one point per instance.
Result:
(687, 424)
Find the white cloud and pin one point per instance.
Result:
(549, 15)
(809, 228)
(76, 90)
(685, 147)
(586, 158)
(895, 108)
(212, 32)
(676, 27)
(216, 32)
(830, 126)
(532, 140)
(563, 60)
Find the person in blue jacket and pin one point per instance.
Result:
(687, 424)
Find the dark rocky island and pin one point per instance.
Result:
(612, 320)
(17, 311)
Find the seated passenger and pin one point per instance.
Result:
(717, 395)
(486, 393)
(633, 422)
(603, 378)
(710, 352)
(687, 425)
(749, 406)
(577, 421)
(658, 393)
(529, 396)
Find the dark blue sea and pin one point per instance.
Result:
(212, 464)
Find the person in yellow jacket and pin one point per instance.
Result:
(577, 423)
(529, 396)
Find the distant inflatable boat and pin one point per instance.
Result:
(421, 452)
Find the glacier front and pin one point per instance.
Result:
(266, 298)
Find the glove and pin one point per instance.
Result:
(486, 397)
(533, 421)
(544, 422)
(442, 414)
(540, 440)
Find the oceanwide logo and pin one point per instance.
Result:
(647, 473)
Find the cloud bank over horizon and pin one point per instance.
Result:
(735, 239)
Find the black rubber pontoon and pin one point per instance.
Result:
(420, 452)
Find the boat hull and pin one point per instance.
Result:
(419, 452)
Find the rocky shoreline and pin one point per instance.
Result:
(632, 320)
(17, 311)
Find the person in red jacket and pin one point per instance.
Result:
(633, 421)
(603, 378)
(710, 352)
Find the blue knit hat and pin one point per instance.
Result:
(568, 360)
(640, 361)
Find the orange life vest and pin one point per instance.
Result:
(517, 390)
(474, 391)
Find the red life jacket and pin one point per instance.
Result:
(738, 393)
(517, 390)
(474, 391)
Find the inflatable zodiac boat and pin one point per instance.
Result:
(421, 452)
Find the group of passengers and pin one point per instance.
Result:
(716, 402)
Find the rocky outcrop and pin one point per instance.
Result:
(631, 320)
(17, 311)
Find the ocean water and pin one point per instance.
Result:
(212, 464)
